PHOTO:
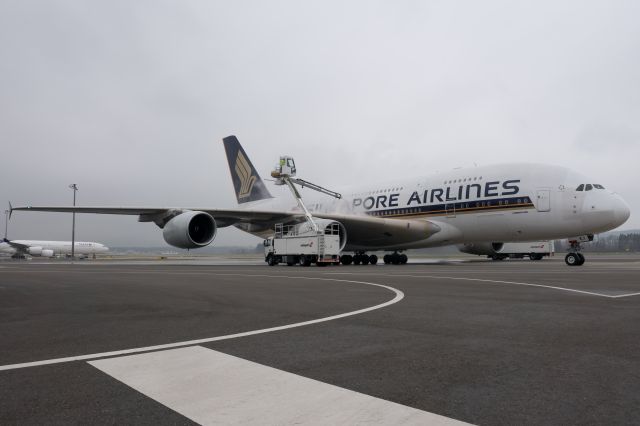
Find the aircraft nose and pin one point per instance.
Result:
(621, 210)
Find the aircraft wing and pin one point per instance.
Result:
(362, 231)
(159, 214)
(18, 246)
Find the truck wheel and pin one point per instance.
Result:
(305, 260)
(271, 260)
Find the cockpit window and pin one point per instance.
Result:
(580, 187)
(589, 187)
(597, 185)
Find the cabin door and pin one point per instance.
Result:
(543, 200)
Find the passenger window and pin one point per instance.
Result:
(589, 187)
(598, 186)
(580, 187)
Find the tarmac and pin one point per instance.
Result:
(230, 341)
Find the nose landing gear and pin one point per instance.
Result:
(574, 257)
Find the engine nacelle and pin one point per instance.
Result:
(190, 229)
(46, 253)
(35, 251)
(483, 249)
(327, 225)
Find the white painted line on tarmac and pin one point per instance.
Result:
(590, 293)
(625, 295)
(398, 297)
(211, 387)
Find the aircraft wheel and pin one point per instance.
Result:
(373, 259)
(403, 259)
(346, 259)
(365, 259)
(387, 259)
(582, 259)
(356, 259)
(572, 259)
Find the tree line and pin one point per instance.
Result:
(625, 242)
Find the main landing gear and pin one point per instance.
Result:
(395, 258)
(574, 257)
(361, 258)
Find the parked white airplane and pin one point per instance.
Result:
(480, 206)
(20, 248)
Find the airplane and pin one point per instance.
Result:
(22, 248)
(481, 207)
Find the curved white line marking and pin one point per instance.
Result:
(590, 293)
(399, 295)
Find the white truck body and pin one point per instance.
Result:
(308, 245)
(301, 244)
(519, 250)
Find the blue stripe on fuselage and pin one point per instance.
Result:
(458, 207)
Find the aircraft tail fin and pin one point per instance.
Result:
(246, 180)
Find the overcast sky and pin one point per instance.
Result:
(130, 99)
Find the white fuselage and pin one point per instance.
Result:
(502, 203)
(36, 248)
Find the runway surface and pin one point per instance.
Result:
(514, 342)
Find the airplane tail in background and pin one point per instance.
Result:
(246, 180)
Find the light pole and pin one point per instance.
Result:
(73, 226)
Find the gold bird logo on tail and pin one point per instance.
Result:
(243, 170)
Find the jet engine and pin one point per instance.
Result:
(35, 251)
(39, 251)
(191, 229)
(486, 249)
(327, 225)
